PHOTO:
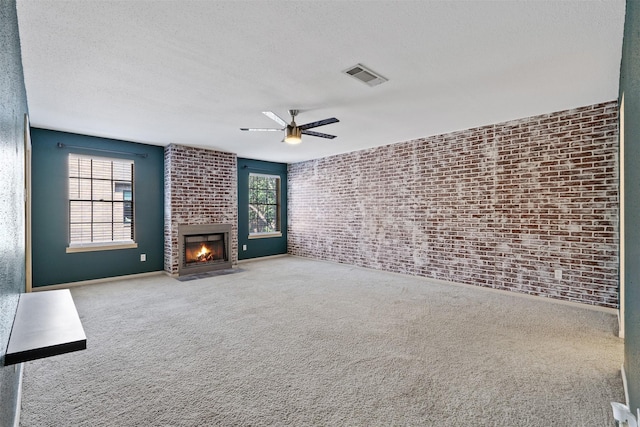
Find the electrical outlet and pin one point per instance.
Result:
(558, 274)
(143, 257)
(244, 247)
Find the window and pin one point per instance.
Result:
(100, 203)
(264, 206)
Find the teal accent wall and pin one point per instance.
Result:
(630, 87)
(50, 211)
(13, 107)
(266, 246)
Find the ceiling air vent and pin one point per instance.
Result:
(365, 75)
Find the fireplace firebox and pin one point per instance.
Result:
(203, 248)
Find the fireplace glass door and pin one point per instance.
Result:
(204, 249)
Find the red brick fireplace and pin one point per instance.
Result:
(201, 199)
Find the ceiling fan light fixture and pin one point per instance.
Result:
(293, 132)
(293, 135)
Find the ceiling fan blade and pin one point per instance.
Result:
(318, 134)
(262, 129)
(319, 123)
(273, 116)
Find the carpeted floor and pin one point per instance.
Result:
(291, 341)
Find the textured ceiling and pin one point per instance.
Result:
(193, 73)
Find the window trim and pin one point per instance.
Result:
(100, 246)
(264, 235)
(268, 234)
(79, 247)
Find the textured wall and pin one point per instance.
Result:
(200, 188)
(500, 206)
(13, 107)
(630, 87)
(50, 210)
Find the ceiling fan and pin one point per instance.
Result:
(293, 132)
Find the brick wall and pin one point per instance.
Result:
(200, 188)
(502, 206)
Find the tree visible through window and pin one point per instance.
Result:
(264, 204)
(100, 200)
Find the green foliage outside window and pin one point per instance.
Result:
(264, 204)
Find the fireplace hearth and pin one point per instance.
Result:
(203, 247)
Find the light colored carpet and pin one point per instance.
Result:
(292, 341)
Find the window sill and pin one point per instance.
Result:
(101, 247)
(264, 235)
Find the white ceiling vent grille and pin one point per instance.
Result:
(365, 75)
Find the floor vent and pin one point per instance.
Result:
(365, 75)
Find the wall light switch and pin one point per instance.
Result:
(143, 257)
(558, 274)
(244, 247)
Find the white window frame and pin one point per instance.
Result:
(88, 246)
(278, 233)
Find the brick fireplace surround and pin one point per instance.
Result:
(200, 188)
(503, 206)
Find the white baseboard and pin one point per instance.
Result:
(94, 281)
(624, 385)
(620, 326)
(16, 412)
(242, 261)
